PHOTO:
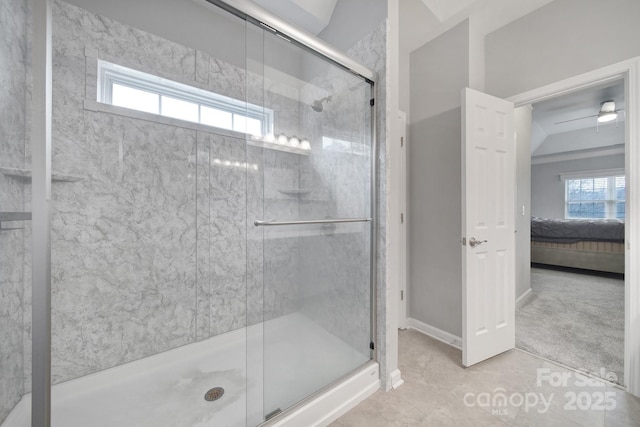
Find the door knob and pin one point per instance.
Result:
(473, 242)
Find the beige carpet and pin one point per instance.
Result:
(575, 319)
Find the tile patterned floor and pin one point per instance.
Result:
(512, 389)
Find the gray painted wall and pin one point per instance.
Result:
(552, 43)
(560, 40)
(439, 71)
(547, 190)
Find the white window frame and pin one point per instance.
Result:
(610, 201)
(110, 74)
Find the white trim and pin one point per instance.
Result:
(578, 155)
(632, 234)
(577, 83)
(328, 407)
(524, 298)
(402, 229)
(435, 333)
(395, 379)
(90, 105)
(110, 74)
(629, 70)
(600, 173)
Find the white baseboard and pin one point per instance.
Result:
(524, 298)
(435, 333)
(336, 402)
(395, 379)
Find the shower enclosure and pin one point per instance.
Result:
(212, 219)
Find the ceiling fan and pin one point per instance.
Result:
(606, 113)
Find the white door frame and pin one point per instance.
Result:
(630, 71)
(402, 235)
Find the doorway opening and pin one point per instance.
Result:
(573, 312)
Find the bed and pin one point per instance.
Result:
(587, 244)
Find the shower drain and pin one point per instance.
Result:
(214, 394)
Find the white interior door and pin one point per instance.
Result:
(488, 251)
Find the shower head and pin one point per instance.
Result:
(318, 106)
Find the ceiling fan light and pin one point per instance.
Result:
(607, 116)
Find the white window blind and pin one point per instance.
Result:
(598, 197)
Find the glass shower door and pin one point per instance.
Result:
(315, 225)
(16, 104)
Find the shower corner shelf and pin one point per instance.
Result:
(295, 192)
(26, 174)
(278, 147)
(13, 216)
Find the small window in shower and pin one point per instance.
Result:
(124, 87)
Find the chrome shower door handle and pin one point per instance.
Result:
(473, 242)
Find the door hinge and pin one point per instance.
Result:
(372, 346)
(401, 141)
(372, 102)
(401, 218)
(464, 241)
(401, 295)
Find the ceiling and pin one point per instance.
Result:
(420, 20)
(579, 104)
(424, 20)
(311, 15)
(580, 108)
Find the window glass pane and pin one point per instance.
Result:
(620, 207)
(589, 197)
(145, 92)
(586, 189)
(136, 99)
(586, 210)
(600, 188)
(620, 188)
(239, 123)
(254, 127)
(214, 117)
(179, 109)
(573, 189)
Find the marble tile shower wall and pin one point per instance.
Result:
(151, 250)
(336, 294)
(327, 294)
(14, 29)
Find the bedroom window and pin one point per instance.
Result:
(600, 197)
(128, 88)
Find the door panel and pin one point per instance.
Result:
(488, 257)
(314, 223)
